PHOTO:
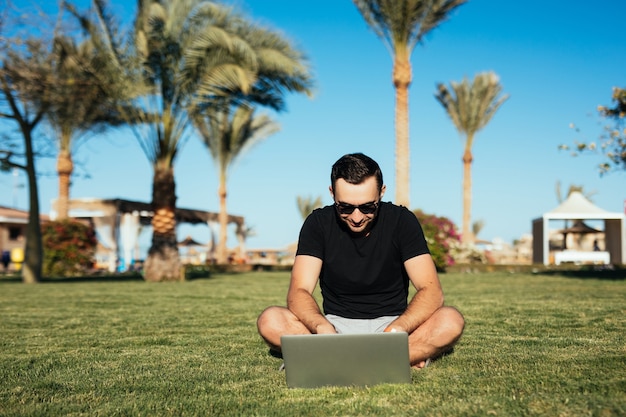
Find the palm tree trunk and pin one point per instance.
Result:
(467, 236)
(222, 250)
(401, 81)
(163, 261)
(65, 167)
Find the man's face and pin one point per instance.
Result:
(347, 195)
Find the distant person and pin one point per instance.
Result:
(364, 252)
(6, 260)
(596, 247)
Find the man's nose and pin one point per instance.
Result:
(356, 215)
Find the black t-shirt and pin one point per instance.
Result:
(363, 276)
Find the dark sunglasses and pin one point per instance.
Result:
(367, 208)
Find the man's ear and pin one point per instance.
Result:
(382, 191)
(332, 195)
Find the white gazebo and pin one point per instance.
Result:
(577, 207)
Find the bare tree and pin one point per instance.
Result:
(24, 73)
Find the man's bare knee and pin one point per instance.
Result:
(270, 317)
(271, 324)
(453, 321)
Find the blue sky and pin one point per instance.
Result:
(557, 59)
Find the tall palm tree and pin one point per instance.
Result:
(227, 136)
(307, 204)
(226, 122)
(189, 53)
(402, 24)
(80, 106)
(470, 107)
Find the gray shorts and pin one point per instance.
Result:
(354, 326)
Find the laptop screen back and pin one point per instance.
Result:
(346, 359)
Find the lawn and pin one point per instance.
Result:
(534, 345)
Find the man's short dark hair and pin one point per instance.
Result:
(354, 168)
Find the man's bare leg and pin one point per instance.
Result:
(435, 336)
(276, 321)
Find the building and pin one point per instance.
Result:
(13, 224)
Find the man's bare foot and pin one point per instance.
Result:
(422, 364)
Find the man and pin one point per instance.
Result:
(364, 252)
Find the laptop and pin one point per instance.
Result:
(319, 360)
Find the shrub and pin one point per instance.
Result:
(441, 234)
(69, 248)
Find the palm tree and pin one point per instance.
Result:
(243, 233)
(307, 204)
(226, 122)
(80, 106)
(471, 106)
(402, 24)
(477, 227)
(175, 43)
(227, 136)
(572, 188)
(214, 58)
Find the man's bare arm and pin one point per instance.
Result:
(428, 299)
(304, 276)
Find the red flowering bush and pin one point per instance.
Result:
(442, 235)
(69, 248)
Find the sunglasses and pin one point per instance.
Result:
(367, 208)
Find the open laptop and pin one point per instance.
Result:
(346, 359)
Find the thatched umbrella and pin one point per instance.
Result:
(579, 227)
(189, 241)
(190, 244)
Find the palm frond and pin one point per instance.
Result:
(306, 205)
(402, 24)
(229, 132)
(471, 106)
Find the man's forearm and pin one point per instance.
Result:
(422, 306)
(304, 306)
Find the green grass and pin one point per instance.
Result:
(534, 345)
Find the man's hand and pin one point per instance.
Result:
(325, 328)
(396, 326)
